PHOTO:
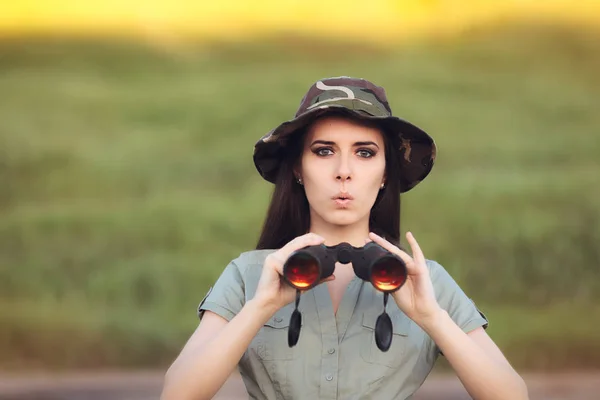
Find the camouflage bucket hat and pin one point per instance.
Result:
(356, 97)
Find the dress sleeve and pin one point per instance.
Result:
(227, 296)
(453, 299)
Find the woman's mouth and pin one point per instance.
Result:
(342, 200)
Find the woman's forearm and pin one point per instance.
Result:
(201, 372)
(484, 377)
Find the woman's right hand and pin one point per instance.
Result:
(272, 292)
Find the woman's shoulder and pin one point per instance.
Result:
(254, 256)
(434, 267)
(438, 274)
(251, 259)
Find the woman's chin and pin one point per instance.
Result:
(342, 217)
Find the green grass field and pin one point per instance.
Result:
(127, 183)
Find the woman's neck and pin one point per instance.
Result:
(335, 234)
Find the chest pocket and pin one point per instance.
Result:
(400, 340)
(270, 349)
(271, 341)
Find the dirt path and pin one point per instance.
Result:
(147, 385)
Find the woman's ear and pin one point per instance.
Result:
(297, 169)
(297, 176)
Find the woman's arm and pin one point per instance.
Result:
(477, 361)
(479, 364)
(213, 352)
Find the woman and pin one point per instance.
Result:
(338, 168)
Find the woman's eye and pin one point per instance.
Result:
(326, 151)
(323, 151)
(366, 153)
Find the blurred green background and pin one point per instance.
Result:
(127, 182)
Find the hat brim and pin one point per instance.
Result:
(416, 154)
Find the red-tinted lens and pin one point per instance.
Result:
(388, 274)
(302, 271)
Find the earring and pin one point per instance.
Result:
(382, 185)
(299, 180)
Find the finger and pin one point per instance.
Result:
(281, 256)
(418, 255)
(392, 249)
(309, 239)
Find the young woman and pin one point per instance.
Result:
(339, 168)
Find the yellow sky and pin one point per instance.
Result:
(369, 19)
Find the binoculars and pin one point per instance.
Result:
(306, 268)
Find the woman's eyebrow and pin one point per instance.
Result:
(366, 144)
(325, 142)
(330, 143)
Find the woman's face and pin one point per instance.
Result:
(342, 170)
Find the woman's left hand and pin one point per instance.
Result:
(416, 298)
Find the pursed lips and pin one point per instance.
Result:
(343, 196)
(342, 199)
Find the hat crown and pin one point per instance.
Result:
(348, 92)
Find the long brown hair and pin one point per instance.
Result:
(288, 215)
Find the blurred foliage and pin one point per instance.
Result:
(127, 182)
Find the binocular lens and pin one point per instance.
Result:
(303, 271)
(388, 274)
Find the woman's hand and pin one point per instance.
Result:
(272, 292)
(416, 298)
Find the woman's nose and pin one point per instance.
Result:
(344, 171)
